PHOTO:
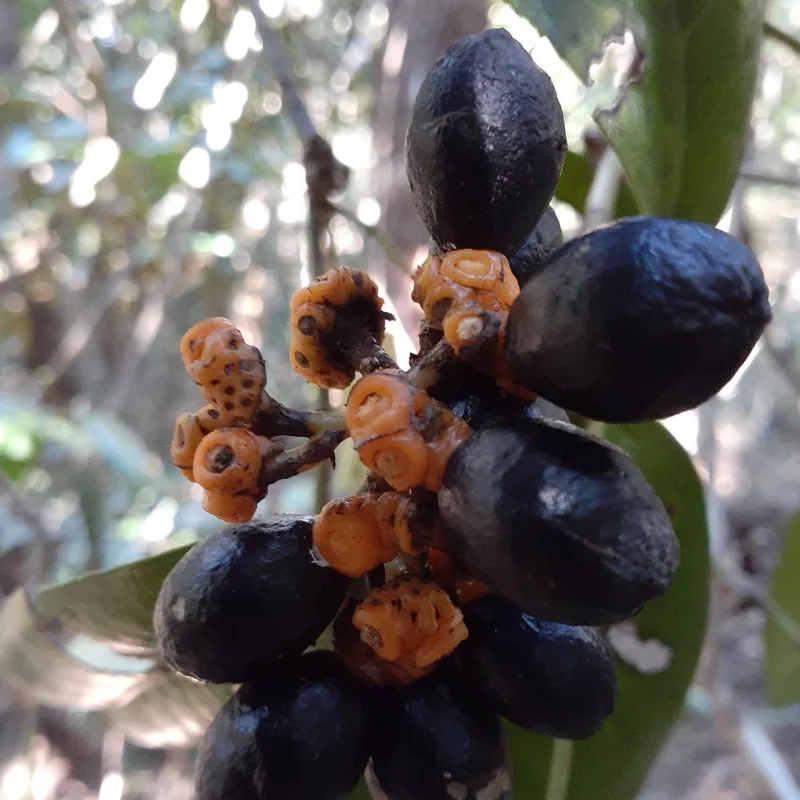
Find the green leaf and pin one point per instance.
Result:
(36, 660)
(613, 764)
(681, 127)
(116, 606)
(576, 178)
(172, 711)
(782, 634)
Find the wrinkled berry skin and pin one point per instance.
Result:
(244, 597)
(543, 241)
(301, 732)
(433, 742)
(546, 677)
(559, 523)
(485, 146)
(639, 320)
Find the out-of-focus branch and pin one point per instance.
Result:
(790, 182)
(42, 532)
(782, 361)
(381, 238)
(325, 174)
(780, 35)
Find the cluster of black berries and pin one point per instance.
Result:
(466, 580)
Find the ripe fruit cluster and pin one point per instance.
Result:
(465, 581)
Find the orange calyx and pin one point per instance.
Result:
(349, 536)
(193, 341)
(230, 507)
(410, 621)
(186, 439)
(228, 460)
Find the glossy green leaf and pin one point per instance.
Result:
(172, 711)
(36, 660)
(782, 634)
(613, 764)
(114, 607)
(681, 127)
(576, 178)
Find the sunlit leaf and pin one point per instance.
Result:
(172, 711)
(681, 128)
(114, 607)
(782, 634)
(35, 660)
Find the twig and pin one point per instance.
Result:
(782, 361)
(602, 198)
(770, 180)
(779, 35)
(767, 759)
(381, 238)
(43, 533)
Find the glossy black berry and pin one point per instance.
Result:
(244, 597)
(558, 522)
(301, 732)
(435, 743)
(639, 320)
(543, 241)
(485, 145)
(546, 677)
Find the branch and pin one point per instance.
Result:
(382, 239)
(779, 35)
(788, 181)
(604, 191)
(42, 532)
(783, 361)
(279, 59)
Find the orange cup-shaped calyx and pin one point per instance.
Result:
(401, 459)
(411, 621)
(348, 536)
(193, 341)
(378, 405)
(230, 507)
(186, 439)
(228, 461)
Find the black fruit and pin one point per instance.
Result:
(639, 320)
(434, 743)
(485, 145)
(301, 732)
(544, 240)
(546, 677)
(556, 521)
(244, 597)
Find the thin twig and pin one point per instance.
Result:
(782, 361)
(380, 237)
(604, 191)
(43, 533)
(276, 52)
(788, 181)
(779, 35)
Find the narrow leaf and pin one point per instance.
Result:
(116, 606)
(34, 660)
(681, 125)
(173, 711)
(782, 634)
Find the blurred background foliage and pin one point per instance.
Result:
(150, 175)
